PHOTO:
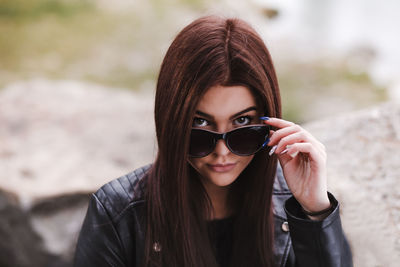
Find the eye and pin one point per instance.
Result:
(245, 120)
(199, 122)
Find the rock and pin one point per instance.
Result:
(20, 245)
(62, 137)
(364, 170)
(57, 220)
(60, 141)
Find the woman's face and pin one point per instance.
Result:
(221, 109)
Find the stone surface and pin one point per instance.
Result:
(64, 136)
(364, 173)
(61, 140)
(20, 245)
(57, 220)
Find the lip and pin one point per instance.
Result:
(222, 167)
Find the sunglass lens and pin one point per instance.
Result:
(201, 143)
(247, 141)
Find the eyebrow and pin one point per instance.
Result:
(203, 114)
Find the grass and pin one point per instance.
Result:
(38, 37)
(76, 39)
(33, 9)
(315, 89)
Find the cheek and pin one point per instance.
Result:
(196, 163)
(246, 160)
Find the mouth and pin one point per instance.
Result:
(222, 167)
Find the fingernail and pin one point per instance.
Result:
(266, 142)
(272, 150)
(264, 118)
(294, 154)
(264, 145)
(287, 149)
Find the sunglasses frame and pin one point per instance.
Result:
(225, 136)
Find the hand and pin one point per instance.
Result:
(303, 160)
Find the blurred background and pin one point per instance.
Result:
(77, 80)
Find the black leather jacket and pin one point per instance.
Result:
(113, 232)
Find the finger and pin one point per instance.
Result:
(286, 158)
(306, 148)
(279, 134)
(279, 123)
(297, 137)
(275, 136)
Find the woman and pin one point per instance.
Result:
(215, 195)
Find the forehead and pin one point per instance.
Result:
(222, 101)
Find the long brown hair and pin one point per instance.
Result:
(210, 51)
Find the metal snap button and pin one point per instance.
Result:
(156, 247)
(285, 226)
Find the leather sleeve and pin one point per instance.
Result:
(317, 243)
(98, 243)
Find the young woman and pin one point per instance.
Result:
(232, 184)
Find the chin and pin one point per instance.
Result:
(220, 175)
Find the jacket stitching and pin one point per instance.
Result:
(286, 252)
(118, 216)
(123, 187)
(315, 225)
(111, 223)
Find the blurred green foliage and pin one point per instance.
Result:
(80, 40)
(316, 89)
(32, 31)
(77, 39)
(23, 9)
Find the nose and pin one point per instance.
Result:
(221, 149)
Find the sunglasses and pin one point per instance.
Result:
(243, 141)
